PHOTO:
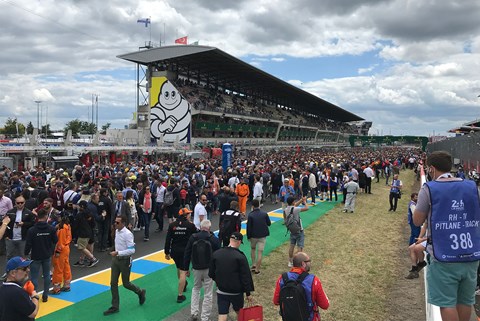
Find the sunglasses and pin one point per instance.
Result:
(306, 261)
(117, 222)
(19, 202)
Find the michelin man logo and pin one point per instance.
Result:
(170, 116)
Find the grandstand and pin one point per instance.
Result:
(228, 100)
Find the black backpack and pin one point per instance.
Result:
(293, 301)
(230, 224)
(201, 253)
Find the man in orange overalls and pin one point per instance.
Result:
(242, 192)
(61, 263)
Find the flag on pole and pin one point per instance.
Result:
(182, 41)
(146, 21)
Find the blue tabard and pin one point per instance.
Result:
(455, 220)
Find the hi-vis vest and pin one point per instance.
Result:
(455, 219)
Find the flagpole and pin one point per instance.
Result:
(150, 27)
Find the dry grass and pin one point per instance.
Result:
(354, 255)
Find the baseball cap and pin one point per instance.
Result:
(17, 262)
(237, 236)
(184, 211)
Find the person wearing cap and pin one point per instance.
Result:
(230, 271)
(178, 234)
(15, 302)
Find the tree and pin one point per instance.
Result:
(13, 127)
(80, 127)
(46, 130)
(75, 126)
(104, 128)
(30, 128)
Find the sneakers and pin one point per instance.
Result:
(412, 275)
(79, 264)
(477, 292)
(65, 289)
(55, 291)
(181, 298)
(344, 211)
(159, 230)
(136, 229)
(141, 297)
(44, 298)
(93, 262)
(146, 239)
(111, 310)
(290, 264)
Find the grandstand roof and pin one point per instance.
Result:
(215, 66)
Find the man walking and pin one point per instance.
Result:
(200, 212)
(257, 232)
(178, 234)
(316, 296)
(369, 176)
(452, 208)
(230, 221)
(121, 265)
(199, 250)
(229, 269)
(395, 190)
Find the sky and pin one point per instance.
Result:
(410, 67)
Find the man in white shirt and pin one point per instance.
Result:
(370, 175)
(200, 212)
(121, 264)
(233, 181)
(257, 189)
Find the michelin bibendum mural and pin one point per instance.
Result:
(170, 113)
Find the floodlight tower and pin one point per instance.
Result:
(38, 102)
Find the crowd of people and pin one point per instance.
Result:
(99, 208)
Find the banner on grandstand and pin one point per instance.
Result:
(170, 112)
(182, 41)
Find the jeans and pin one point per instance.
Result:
(146, 220)
(35, 271)
(159, 215)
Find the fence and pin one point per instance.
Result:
(464, 149)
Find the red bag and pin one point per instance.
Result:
(253, 313)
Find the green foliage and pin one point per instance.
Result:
(13, 128)
(80, 127)
(29, 128)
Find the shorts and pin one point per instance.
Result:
(297, 239)
(179, 260)
(258, 243)
(82, 243)
(450, 284)
(224, 301)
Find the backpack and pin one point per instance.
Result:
(199, 179)
(293, 226)
(168, 199)
(201, 254)
(293, 301)
(228, 226)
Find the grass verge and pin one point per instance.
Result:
(355, 255)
